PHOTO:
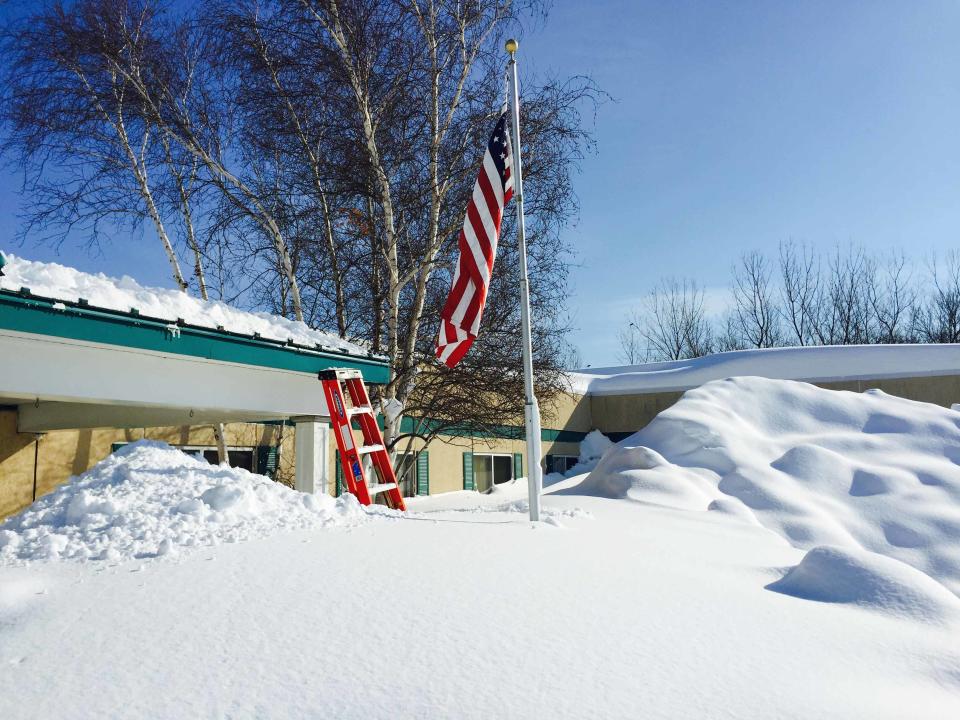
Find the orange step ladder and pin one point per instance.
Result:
(341, 417)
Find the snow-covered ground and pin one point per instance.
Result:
(58, 282)
(630, 600)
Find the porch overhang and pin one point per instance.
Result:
(71, 366)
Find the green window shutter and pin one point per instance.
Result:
(267, 460)
(517, 465)
(423, 473)
(468, 481)
(339, 472)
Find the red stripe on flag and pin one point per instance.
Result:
(456, 336)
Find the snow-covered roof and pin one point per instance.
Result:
(58, 282)
(818, 364)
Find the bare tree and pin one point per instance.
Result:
(67, 107)
(416, 87)
(730, 336)
(632, 347)
(755, 311)
(939, 319)
(892, 298)
(842, 314)
(163, 63)
(673, 321)
(847, 297)
(800, 291)
(70, 106)
(319, 156)
(429, 53)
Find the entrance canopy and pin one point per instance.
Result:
(67, 363)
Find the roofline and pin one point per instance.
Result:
(811, 363)
(25, 312)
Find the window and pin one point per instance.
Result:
(490, 470)
(561, 463)
(413, 473)
(238, 457)
(406, 470)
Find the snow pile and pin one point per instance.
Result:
(843, 575)
(819, 467)
(149, 499)
(55, 281)
(593, 446)
(818, 364)
(676, 598)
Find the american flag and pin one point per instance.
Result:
(460, 319)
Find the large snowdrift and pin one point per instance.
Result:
(59, 282)
(820, 467)
(149, 499)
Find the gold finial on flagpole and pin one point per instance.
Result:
(511, 46)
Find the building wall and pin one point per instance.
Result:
(64, 453)
(569, 412)
(621, 415)
(70, 452)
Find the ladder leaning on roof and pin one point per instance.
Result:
(341, 418)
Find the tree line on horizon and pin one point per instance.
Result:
(311, 158)
(801, 297)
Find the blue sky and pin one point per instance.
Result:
(741, 124)
(737, 125)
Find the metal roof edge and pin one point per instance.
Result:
(79, 321)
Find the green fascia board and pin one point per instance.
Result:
(499, 432)
(23, 312)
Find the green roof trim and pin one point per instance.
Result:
(28, 313)
(24, 312)
(496, 432)
(499, 432)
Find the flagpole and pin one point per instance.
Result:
(531, 411)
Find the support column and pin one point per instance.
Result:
(312, 453)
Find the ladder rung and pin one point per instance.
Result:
(383, 487)
(366, 449)
(360, 410)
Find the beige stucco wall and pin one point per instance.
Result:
(567, 412)
(942, 390)
(629, 413)
(63, 453)
(70, 452)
